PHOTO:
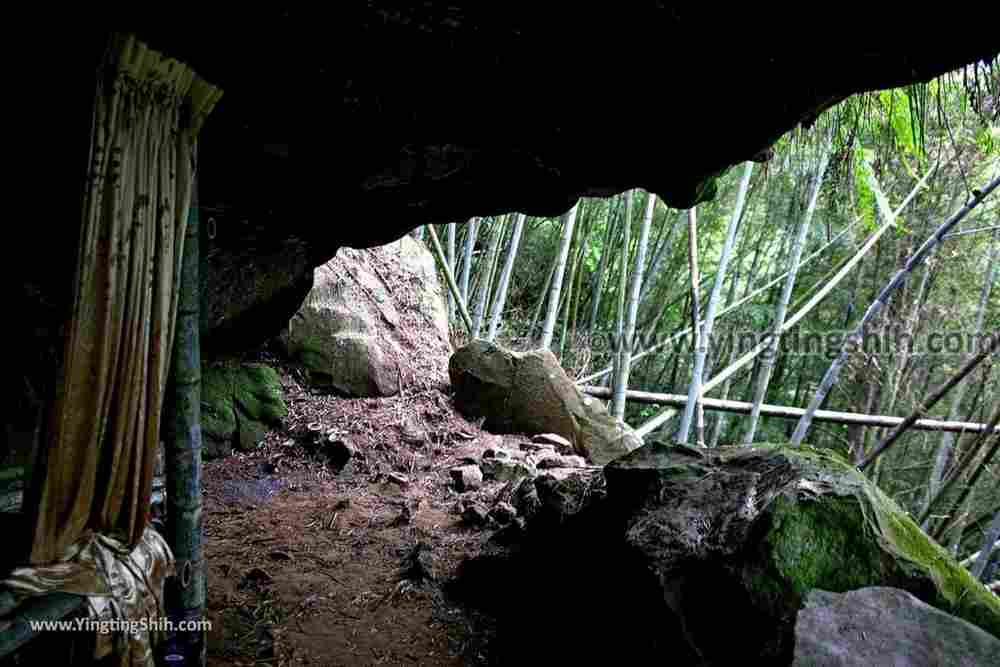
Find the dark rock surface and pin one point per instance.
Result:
(885, 626)
(676, 547)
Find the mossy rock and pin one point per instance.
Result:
(764, 526)
(239, 402)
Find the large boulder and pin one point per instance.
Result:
(240, 402)
(529, 392)
(693, 540)
(370, 314)
(885, 626)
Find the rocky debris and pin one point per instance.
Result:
(538, 448)
(417, 566)
(413, 432)
(561, 444)
(474, 513)
(503, 513)
(349, 333)
(496, 453)
(467, 478)
(240, 403)
(557, 461)
(525, 499)
(529, 392)
(339, 451)
(505, 470)
(700, 539)
(885, 626)
(563, 493)
(399, 479)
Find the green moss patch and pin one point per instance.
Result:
(837, 531)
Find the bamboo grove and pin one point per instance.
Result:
(855, 272)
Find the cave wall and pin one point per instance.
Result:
(403, 114)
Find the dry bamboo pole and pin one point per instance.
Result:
(944, 452)
(828, 286)
(931, 401)
(991, 541)
(452, 263)
(508, 269)
(725, 311)
(486, 277)
(470, 244)
(621, 380)
(970, 456)
(449, 278)
(786, 412)
(707, 328)
(555, 289)
(617, 406)
(832, 373)
(971, 558)
(693, 406)
(794, 264)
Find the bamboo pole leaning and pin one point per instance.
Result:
(725, 311)
(931, 401)
(824, 291)
(449, 277)
(854, 340)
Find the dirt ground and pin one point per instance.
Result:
(307, 563)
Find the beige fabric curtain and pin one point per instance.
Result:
(97, 475)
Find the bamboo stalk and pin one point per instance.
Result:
(626, 342)
(833, 372)
(784, 412)
(931, 401)
(449, 278)
(555, 289)
(182, 446)
(508, 269)
(695, 390)
(725, 311)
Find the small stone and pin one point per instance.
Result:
(496, 453)
(561, 444)
(398, 478)
(467, 478)
(538, 447)
(278, 554)
(413, 432)
(338, 451)
(556, 461)
(503, 513)
(474, 513)
(505, 470)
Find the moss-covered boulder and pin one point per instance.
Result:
(777, 523)
(529, 392)
(702, 544)
(239, 403)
